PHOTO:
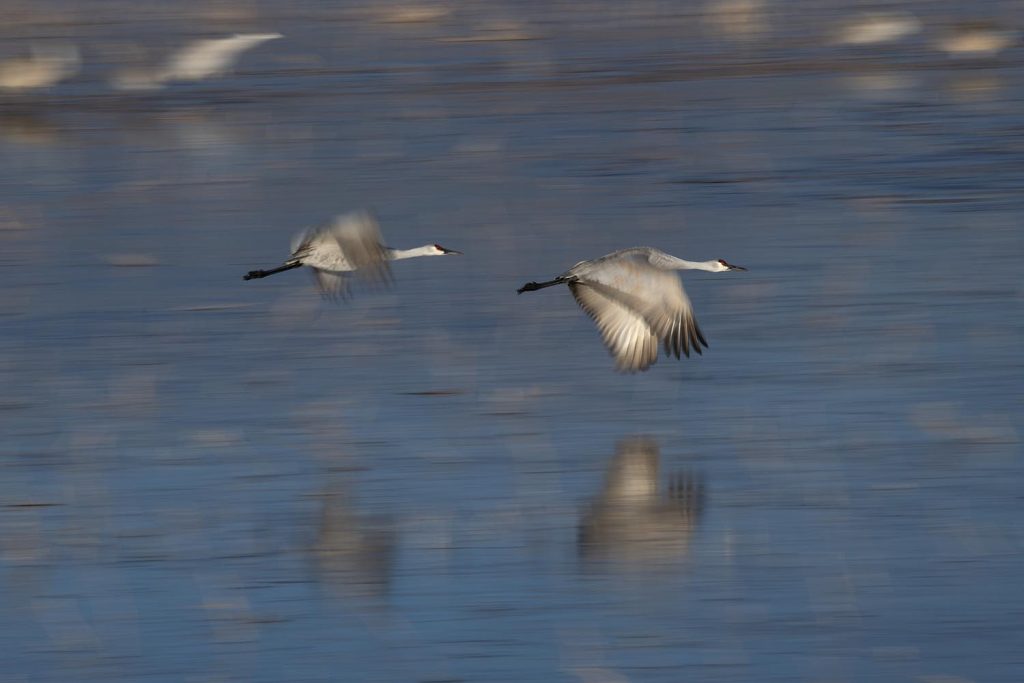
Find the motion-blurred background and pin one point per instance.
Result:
(205, 479)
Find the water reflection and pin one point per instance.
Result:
(28, 127)
(737, 20)
(353, 553)
(882, 86)
(631, 522)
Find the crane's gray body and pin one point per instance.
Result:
(637, 300)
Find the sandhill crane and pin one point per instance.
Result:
(976, 39)
(196, 61)
(872, 28)
(49, 64)
(350, 242)
(637, 301)
(631, 519)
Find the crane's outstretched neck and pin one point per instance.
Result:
(263, 273)
(683, 264)
(398, 254)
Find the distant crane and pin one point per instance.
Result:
(196, 61)
(350, 242)
(48, 65)
(636, 301)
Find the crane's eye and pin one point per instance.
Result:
(722, 261)
(438, 247)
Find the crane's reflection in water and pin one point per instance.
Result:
(353, 553)
(632, 524)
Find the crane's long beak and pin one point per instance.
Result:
(452, 251)
(732, 267)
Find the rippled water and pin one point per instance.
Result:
(208, 479)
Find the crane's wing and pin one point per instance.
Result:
(358, 236)
(627, 335)
(332, 284)
(348, 243)
(655, 295)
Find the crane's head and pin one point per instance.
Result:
(438, 250)
(725, 265)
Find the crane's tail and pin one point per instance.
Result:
(534, 286)
(263, 273)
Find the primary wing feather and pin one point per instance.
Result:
(332, 284)
(626, 334)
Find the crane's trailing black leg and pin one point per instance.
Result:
(263, 273)
(533, 286)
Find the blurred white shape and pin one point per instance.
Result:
(976, 39)
(213, 57)
(630, 520)
(738, 20)
(49, 64)
(199, 60)
(350, 243)
(873, 28)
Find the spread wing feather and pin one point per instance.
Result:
(332, 285)
(627, 335)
